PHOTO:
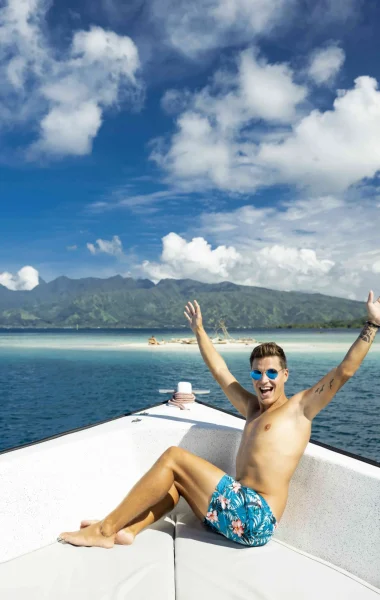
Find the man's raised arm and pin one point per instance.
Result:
(241, 399)
(316, 398)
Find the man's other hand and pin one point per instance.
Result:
(373, 309)
(193, 315)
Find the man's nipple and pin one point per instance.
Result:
(267, 427)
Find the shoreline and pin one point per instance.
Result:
(294, 328)
(239, 347)
(176, 346)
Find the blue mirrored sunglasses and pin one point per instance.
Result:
(270, 373)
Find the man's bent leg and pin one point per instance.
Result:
(153, 514)
(195, 476)
(128, 533)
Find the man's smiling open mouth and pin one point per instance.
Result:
(266, 390)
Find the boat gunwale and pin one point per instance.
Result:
(368, 461)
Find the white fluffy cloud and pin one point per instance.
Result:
(196, 27)
(113, 247)
(265, 267)
(201, 25)
(252, 127)
(300, 246)
(325, 64)
(67, 97)
(335, 149)
(267, 91)
(195, 260)
(212, 145)
(69, 130)
(25, 279)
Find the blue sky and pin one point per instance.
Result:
(225, 140)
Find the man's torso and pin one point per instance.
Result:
(270, 449)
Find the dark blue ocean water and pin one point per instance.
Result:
(45, 391)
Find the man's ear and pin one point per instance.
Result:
(286, 374)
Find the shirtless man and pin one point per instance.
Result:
(277, 430)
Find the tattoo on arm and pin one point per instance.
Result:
(366, 334)
(320, 389)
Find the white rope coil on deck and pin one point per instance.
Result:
(182, 400)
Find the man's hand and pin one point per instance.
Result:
(194, 316)
(373, 309)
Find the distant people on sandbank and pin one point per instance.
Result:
(153, 342)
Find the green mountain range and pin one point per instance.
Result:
(120, 302)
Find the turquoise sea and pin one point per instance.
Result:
(55, 381)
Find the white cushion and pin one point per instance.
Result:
(210, 566)
(63, 572)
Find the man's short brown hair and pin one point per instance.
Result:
(268, 349)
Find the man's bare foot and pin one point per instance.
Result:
(88, 536)
(124, 537)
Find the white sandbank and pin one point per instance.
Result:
(230, 346)
(115, 345)
(305, 347)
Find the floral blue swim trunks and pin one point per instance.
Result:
(240, 514)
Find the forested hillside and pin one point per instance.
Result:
(125, 302)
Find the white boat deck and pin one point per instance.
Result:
(327, 544)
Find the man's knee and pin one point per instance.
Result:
(174, 457)
(171, 454)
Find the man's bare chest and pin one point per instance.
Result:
(281, 432)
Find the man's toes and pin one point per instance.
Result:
(77, 539)
(65, 538)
